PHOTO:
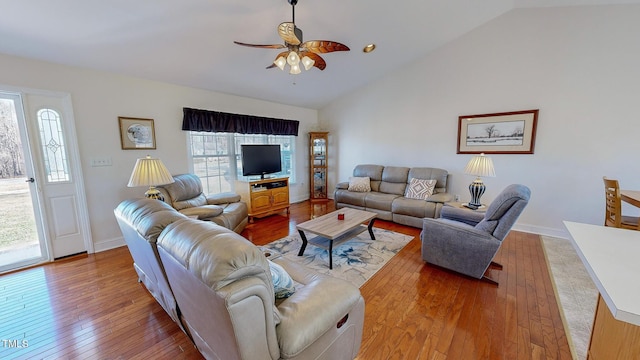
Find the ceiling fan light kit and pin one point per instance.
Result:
(298, 51)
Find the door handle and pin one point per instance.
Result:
(31, 180)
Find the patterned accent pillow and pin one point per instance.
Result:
(283, 285)
(360, 184)
(420, 188)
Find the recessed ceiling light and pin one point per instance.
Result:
(369, 48)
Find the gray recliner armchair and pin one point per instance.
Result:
(186, 196)
(466, 241)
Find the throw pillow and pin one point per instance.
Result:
(282, 283)
(420, 188)
(359, 184)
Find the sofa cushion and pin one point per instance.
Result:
(359, 184)
(147, 216)
(374, 172)
(420, 189)
(186, 191)
(440, 175)
(351, 197)
(379, 201)
(413, 207)
(213, 254)
(394, 180)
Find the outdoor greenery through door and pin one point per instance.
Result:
(18, 235)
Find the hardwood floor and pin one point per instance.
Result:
(92, 306)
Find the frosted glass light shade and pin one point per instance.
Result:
(307, 62)
(295, 69)
(293, 58)
(280, 62)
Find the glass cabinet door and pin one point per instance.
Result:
(318, 142)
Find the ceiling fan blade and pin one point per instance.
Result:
(318, 61)
(290, 33)
(273, 46)
(324, 46)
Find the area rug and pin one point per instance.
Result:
(576, 293)
(355, 260)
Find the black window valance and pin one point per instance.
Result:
(215, 121)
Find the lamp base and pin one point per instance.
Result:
(154, 193)
(476, 189)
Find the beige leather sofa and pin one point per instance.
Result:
(224, 209)
(141, 222)
(388, 187)
(223, 290)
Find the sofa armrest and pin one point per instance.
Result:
(203, 212)
(466, 216)
(440, 197)
(314, 309)
(223, 198)
(342, 185)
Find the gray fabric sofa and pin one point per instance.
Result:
(387, 195)
(219, 288)
(466, 241)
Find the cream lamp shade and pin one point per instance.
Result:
(479, 166)
(150, 172)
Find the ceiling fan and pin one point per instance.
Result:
(298, 51)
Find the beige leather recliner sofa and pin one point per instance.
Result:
(186, 196)
(141, 222)
(387, 193)
(224, 293)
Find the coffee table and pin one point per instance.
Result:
(332, 232)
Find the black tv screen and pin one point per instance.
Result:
(260, 159)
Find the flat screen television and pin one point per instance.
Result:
(260, 159)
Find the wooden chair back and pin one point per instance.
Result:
(613, 204)
(613, 208)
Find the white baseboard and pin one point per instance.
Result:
(539, 230)
(109, 244)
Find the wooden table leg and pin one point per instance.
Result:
(304, 242)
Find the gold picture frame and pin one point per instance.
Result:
(500, 133)
(137, 133)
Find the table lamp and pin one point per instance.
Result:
(150, 172)
(479, 165)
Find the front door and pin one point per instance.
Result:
(58, 173)
(22, 240)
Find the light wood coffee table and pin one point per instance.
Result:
(332, 232)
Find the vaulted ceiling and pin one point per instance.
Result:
(190, 42)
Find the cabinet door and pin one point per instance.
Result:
(280, 196)
(260, 200)
(318, 165)
(319, 183)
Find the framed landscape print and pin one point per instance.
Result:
(137, 133)
(500, 133)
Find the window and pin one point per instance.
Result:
(216, 157)
(54, 153)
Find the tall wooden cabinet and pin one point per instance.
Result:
(318, 143)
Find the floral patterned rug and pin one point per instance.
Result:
(355, 260)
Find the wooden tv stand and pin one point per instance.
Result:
(264, 197)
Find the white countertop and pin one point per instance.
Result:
(612, 258)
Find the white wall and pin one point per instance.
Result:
(99, 98)
(578, 65)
